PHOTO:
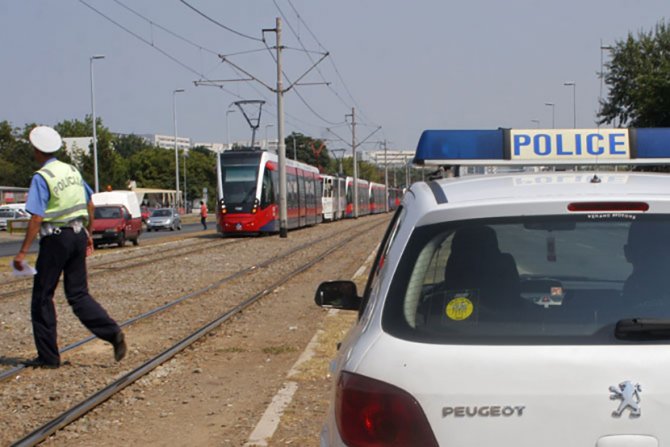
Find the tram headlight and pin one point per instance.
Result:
(255, 207)
(222, 206)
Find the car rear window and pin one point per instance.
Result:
(161, 213)
(530, 280)
(107, 212)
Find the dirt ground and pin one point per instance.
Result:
(216, 392)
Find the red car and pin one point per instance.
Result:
(113, 224)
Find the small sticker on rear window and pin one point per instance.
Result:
(460, 308)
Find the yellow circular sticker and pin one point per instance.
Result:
(460, 308)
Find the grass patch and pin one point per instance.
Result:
(276, 350)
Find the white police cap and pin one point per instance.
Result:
(45, 139)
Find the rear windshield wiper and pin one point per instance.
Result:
(642, 329)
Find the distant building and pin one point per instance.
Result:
(167, 141)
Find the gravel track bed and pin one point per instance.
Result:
(34, 396)
(101, 262)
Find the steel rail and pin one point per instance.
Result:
(5, 375)
(104, 394)
(101, 267)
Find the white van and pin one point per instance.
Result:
(117, 218)
(125, 198)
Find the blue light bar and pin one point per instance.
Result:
(544, 146)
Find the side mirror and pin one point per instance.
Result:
(338, 295)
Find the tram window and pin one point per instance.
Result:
(301, 186)
(267, 193)
(239, 182)
(292, 186)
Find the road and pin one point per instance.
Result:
(10, 244)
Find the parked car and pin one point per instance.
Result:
(117, 218)
(164, 218)
(8, 213)
(114, 224)
(514, 309)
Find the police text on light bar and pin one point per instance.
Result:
(544, 146)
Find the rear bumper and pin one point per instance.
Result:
(248, 224)
(105, 237)
(159, 227)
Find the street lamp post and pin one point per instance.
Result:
(95, 135)
(176, 152)
(553, 113)
(573, 84)
(602, 75)
(186, 207)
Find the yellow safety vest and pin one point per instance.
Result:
(67, 200)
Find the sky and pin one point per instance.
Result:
(400, 66)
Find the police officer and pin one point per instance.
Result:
(59, 202)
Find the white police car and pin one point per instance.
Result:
(528, 309)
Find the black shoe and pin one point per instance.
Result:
(39, 363)
(120, 347)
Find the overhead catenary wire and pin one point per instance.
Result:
(201, 75)
(297, 36)
(216, 22)
(152, 45)
(269, 49)
(331, 58)
(172, 33)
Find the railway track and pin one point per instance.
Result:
(125, 261)
(280, 273)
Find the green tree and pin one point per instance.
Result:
(312, 151)
(367, 171)
(638, 76)
(17, 163)
(152, 167)
(127, 145)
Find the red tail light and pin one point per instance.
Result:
(608, 206)
(371, 413)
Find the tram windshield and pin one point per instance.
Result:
(239, 184)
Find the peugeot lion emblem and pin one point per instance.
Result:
(629, 395)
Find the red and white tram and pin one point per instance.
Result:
(363, 197)
(377, 194)
(248, 193)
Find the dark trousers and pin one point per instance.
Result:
(66, 253)
(203, 221)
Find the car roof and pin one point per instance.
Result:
(534, 186)
(501, 195)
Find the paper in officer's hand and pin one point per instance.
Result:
(27, 269)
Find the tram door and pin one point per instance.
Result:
(302, 201)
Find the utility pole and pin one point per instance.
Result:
(283, 208)
(353, 154)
